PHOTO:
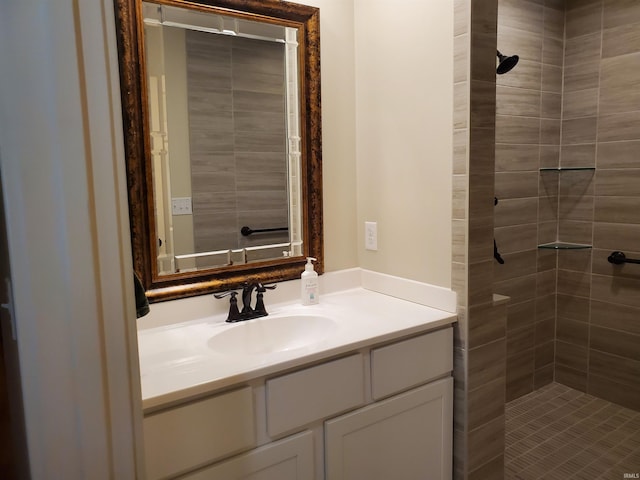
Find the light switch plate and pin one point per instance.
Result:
(181, 206)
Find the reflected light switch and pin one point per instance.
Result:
(181, 206)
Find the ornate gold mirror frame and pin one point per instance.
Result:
(129, 29)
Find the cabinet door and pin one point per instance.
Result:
(288, 459)
(408, 436)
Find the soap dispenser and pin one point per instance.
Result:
(309, 294)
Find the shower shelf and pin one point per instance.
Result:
(565, 169)
(563, 246)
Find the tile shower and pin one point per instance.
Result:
(572, 102)
(573, 317)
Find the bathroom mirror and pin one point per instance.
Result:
(221, 113)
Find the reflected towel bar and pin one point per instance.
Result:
(618, 258)
(246, 231)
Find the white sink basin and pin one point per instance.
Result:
(272, 334)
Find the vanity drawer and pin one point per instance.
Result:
(186, 437)
(411, 362)
(314, 393)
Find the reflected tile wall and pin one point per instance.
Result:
(238, 170)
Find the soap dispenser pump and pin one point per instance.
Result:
(309, 292)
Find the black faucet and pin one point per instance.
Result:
(247, 312)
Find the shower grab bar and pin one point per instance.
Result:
(246, 231)
(618, 258)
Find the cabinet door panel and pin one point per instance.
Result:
(288, 459)
(407, 436)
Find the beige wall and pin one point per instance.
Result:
(338, 132)
(404, 98)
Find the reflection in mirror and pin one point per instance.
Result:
(225, 138)
(221, 111)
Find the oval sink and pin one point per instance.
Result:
(272, 334)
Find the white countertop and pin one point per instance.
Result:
(176, 362)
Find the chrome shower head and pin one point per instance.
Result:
(506, 63)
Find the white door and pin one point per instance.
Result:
(407, 437)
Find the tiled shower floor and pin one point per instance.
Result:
(560, 433)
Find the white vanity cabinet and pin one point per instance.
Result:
(379, 412)
(407, 436)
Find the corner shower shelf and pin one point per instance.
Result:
(565, 169)
(563, 246)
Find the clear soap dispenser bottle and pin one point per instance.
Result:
(309, 294)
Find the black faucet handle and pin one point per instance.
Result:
(261, 288)
(234, 313)
(233, 294)
(260, 309)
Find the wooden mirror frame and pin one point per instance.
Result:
(129, 32)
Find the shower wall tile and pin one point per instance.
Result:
(571, 378)
(527, 45)
(510, 157)
(492, 470)
(583, 21)
(620, 393)
(619, 127)
(516, 185)
(617, 210)
(579, 155)
(617, 289)
(552, 50)
(619, 78)
(520, 289)
(579, 130)
(484, 49)
(620, 12)
(582, 49)
(574, 283)
(520, 315)
(580, 103)
(582, 76)
(549, 156)
(621, 40)
(623, 182)
(551, 106)
(486, 443)
(486, 403)
(616, 316)
(549, 132)
(615, 342)
(460, 58)
(577, 260)
(487, 325)
(521, 15)
(516, 264)
(553, 23)
(573, 356)
(516, 238)
(551, 78)
(572, 331)
(526, 75)
(516, 211)
(518, 102)
(461, 14)
(483, 104)
(625, 154)
(517, 130)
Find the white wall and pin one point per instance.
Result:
(62, 161)
(404, 98)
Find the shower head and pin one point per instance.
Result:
(506, 63)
